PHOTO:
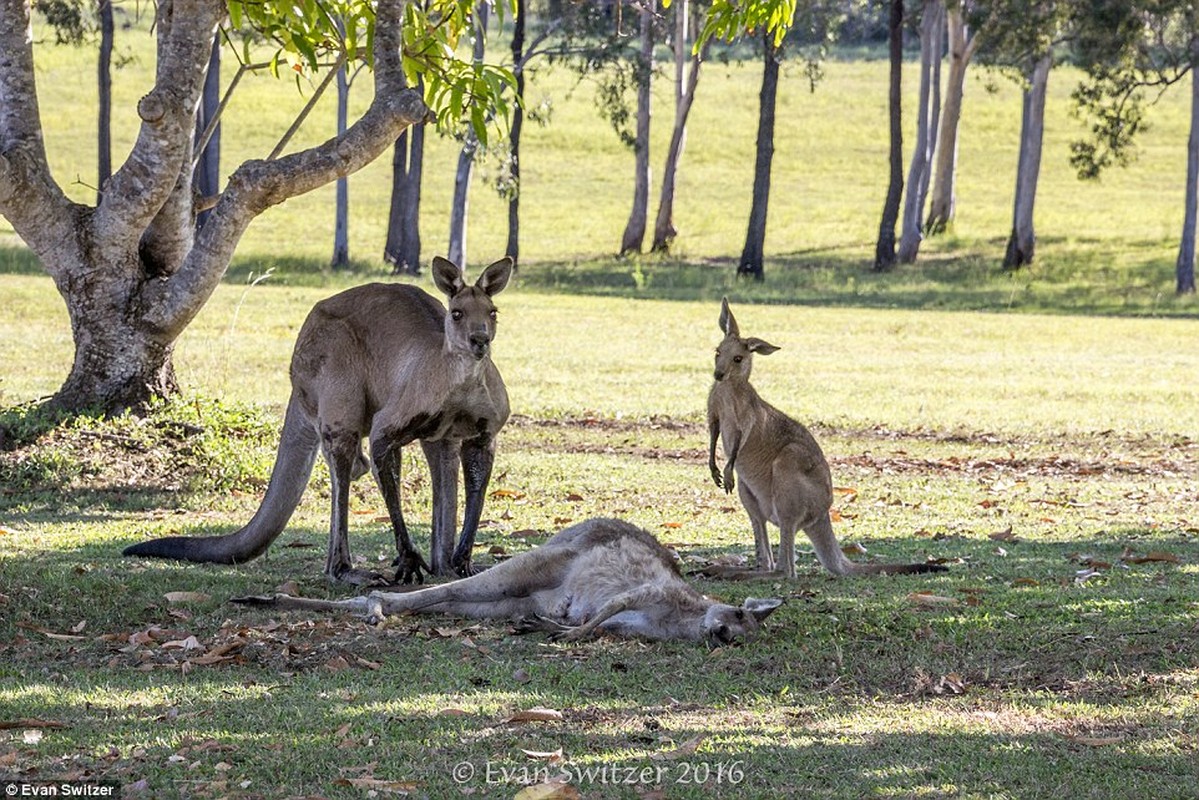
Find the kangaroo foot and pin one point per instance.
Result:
(730, 573)
(535, 623)
(409, 568)
(358, 577)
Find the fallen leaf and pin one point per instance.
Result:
(79, 626)
(31, 722)
(853, 549)
(288, 587)
(552, 790)
(190, 643)
(684, 750)
(453, 712)
(32, 736)
(509, 493)
(1159, 556)
(525, 533)
(574, 497)
(1005, 535)
(930, 599)
(672, 525)
(536, 715)
(378, 785)
(543, 755)
(187, 597)
(521, 675)
(337, 664)
(1026, 582)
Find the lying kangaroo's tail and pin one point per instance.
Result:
(298, 445)
(831, 556)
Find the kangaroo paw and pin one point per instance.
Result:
(410, 568)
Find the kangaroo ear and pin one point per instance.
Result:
(761, 607)
(759, 346)
(447, 276)
(495, 277)
(727, 324)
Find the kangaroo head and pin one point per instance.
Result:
(734, 355)
(470, 323)
(725, 624)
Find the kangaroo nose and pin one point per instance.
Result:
(719, 375)
(479, 343)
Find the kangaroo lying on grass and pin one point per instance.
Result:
(384, 361)
(784, 477)
(599, 575)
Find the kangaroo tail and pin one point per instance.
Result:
(298, 446)
(831, 556)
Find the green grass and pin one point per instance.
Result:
(1071, 425)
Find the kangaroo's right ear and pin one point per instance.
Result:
(759, 346)
(761, 607)
(447, 276)
(495, 277)
(727, 324)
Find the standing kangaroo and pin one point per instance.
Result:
(383, 361)
(784, 477)
(601, 574)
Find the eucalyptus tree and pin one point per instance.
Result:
(132, 269)
(884, 249)
(1131, 53)
(928, 112)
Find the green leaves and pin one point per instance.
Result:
(728, 20)
(312, 34)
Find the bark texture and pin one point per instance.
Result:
(962, 46)
(1184, 268)
(884, 251)
(753, 254)
(403, 245)
(1021, 245)
(132, 271)
(686, 79)
(928, 113)
(634, 231)
(512, 250)
(459, 209)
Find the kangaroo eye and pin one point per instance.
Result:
(738, 359)
(494, 314)
(740, 614)
(456, 314)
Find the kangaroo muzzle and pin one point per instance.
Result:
(480, 344)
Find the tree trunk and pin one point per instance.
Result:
(927, 115)
(1185, 266)
(403, 223)
(634, 231)
(132, 271)
(207, 177)
(466, 158)
(104, 76)
(341, 209)
(1022, 243)
(961, 49)
(884, 252)
(684, 96)
(512, 250)
(753, 254)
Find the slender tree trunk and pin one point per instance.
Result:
(1022, 243)
(685, 82)
(1185, 266)
(341, 210)
(927, 114)
(104, 80)
(753, 254)
(207, 177)
(961, 49)
(459, 209)
(403, 246)
(512, 250)
(634, 231)
(884, 252)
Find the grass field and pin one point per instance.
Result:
(1049, 458)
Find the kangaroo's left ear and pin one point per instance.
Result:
(495, 277)
(759, 346)
(447, 276)
(761, 607)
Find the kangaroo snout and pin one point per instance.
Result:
(480, 344)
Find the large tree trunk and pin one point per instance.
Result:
(1022, 243)
(207, 175)
(927, 115)
(634, 231)
(753, 254)
(104, 83)
(512, 250)
(466, 158)
(884, 251)
(961, 49)
(1185, 266)
(686, 79)
(132, 270)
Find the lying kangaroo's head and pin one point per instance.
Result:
(734, 355)
(471, 321)
(732, 624)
